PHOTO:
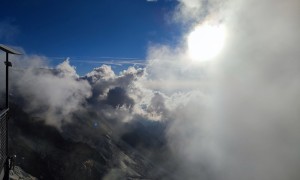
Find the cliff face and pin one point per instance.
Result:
(79, 152)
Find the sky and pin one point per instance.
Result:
(88, 31)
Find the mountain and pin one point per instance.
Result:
(79, 151)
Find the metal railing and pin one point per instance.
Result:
(3, 137)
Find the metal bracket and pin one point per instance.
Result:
(8, 63)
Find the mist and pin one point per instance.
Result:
(240, 122)
(246, 127)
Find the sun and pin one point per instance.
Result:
(205, 42)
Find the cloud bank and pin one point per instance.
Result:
(52, 94)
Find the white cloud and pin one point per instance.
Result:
(51, 94)
(241, 122)
(196, 11)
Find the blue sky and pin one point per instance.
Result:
(87, 30)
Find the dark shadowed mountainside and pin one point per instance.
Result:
(46, 153)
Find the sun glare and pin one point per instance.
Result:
(205, 42)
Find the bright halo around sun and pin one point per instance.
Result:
(205, 42)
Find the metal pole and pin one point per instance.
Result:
(7, 65)
(7, 106)
(6, 175)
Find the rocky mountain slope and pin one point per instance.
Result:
(84, 152)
